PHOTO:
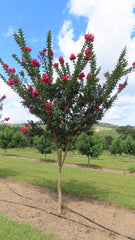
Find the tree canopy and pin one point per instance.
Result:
(73, 101)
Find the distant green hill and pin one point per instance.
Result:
(106, 129)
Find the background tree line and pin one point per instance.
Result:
(90, 143)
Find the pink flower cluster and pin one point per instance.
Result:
(65, 78)
(133, 64)
(42, 53)
(35, 63)
(52, 53)
(28, 49)
(34, 92)
(72, 57)
(4, 96)
(48, 108)
(7, 119)
(24, 130)
(45, 78)
(121, 86)
(12, 70)
(5, 65)
(10, 81)
(98, 109)
(87, 52)
(81, 75)
(61, 59)
(89, 37)
(88, 76)
(55, 65)
(30, 88)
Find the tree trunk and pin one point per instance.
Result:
(88, 161)
(59, 191)
(59, 180)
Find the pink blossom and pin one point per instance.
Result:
(72, 57)
(12, 70)
(30, 88)
(30, 111)
(61, 59)
(48, 108)
(81, 75)
(23, 63)
(98, 109)
(22, 71)
(44, 50)
(4, 96)
(88, 76)
(55, 64)
(35, 62)
(10, 81)
(35, 93)
(87, 57)
(121, 86)
(87, 51)
(24, 130)
(28, 49)
(65, 78)
(42, 53)
(5, 65)
(7, 119)
(89, 37)
(133, 64)
(52, 53)
(45, 78)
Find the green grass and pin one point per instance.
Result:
(106, 160)
(108, 187)
(15, 230)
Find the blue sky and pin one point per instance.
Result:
(112, 23)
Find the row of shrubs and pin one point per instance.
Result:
(89, 143)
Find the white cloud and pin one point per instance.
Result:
(112, 23)
(66, 42)
(9, 32)
(12, 106)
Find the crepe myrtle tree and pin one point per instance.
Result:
(1, 102)
(71, 103)
(1, 107)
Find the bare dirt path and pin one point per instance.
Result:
(16, 197)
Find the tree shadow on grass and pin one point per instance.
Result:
(48, 160)
(74, 189)
(85, 190)
(87, 166)
(7, 173)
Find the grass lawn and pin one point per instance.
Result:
(108, 187)
(106, 160)
(12, 229)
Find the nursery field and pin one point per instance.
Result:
(106, 160)
(86, 185)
